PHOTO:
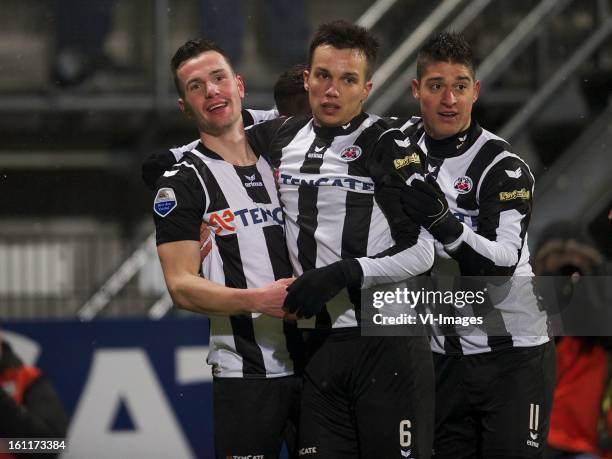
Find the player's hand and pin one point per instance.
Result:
(154, 166)
(309, 293)
(272, 297)
(205, 241)
(426, 204)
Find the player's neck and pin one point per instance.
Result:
(231, 145)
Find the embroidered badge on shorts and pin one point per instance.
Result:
(165, 201)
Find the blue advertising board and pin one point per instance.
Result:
(132, 388)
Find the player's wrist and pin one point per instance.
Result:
(249, 300)
(447, 229)
(352, 272)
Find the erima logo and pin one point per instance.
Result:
(516, 194)
(170, 173)
(461, 141)
(342, 182)
(534, 416)
(318, 149)
(305, 451)
(408, 159)
(346, 126)
(514, 174)
(402, 143)
(406, 453)
(251, 181)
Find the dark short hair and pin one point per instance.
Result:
(189, 50)
(289, 94)
(449, 47)
(344, 35)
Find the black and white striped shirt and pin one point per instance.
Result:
(490, 190)
(240, 205)
(328, 181)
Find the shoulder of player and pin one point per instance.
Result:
(405, 124)
(182, 174)
(251, 117)
(506, 158)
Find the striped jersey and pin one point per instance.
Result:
(240, 205)
(490, 191)
(330, 184)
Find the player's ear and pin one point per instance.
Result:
(476, 90)
(414, 85)
(184, 107)
(241, 86)
(366, 90)
(306, 75)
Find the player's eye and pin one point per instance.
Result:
(435, 86)
(322, 75)
(350, 80)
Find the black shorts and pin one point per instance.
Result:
(253, 416)
(366, 397)
(495, 404)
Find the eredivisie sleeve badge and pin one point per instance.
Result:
(165, 201)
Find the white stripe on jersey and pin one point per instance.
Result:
(257, 267)
(335, 182)
(519, 310)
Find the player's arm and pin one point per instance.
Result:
(412, 254)
(178, 208)
(505, 200)
(180, 263)
(393, 161)
(251, 117)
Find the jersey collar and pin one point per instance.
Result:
(454, 145)
(204, 150)
(335, 131)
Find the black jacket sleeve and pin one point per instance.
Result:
(505, 201)
(392, 161)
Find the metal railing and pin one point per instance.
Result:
(52, 272)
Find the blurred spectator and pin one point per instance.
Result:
(581, 420)
(29, 405)
(81, 30)
(286, 29)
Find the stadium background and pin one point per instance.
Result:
(75, 225)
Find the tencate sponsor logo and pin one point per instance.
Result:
(349, 183)
(226, 221)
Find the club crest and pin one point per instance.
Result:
(350, 153)
(463, 184)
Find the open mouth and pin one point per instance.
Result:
(448, 115)
(216, 107)
(329, 108)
